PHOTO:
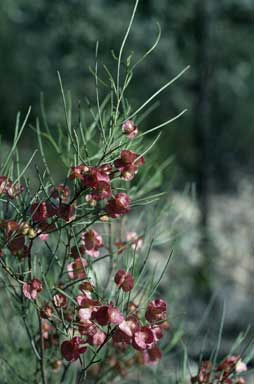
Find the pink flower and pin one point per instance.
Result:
(46, 328)
(156, 311)
(124, 280)
(103, 191)
(43, 236)
(240, 366)
(85, 302)
(76, 269)
(60, 300)
(3, 184)
(9, 189)
(125, 331)
(61, 192)
(119, 205)
(240, 380)
(99, 181)
(78, 172)
(114, 315)
(31, 289)
(46, 311)
(96, 339)
(143, 339)
(204, 373)
(71, 349)
(85, 313)
(128, 164)
(129, 129)
(87, 328)
(228, 364)
(135, 240)
(157, 332)
(105, 168)
(92, 242)
(130, 325)
(151, 356)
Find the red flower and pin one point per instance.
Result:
(103, 191)
(76, 269)
(71, 349)
(66, 212)
(16, 240)
(101, 315)
(77, 252)
(31, 289)
(9, 189)
(39, 212)
(78, 172)
(151, 356)
(143, 339)
(125, 331)
(124, 280)
(60, 300)
(128, 164)
(61, 192)
(86, 287)
(203, 374)
(92, 242)
(129, 129)
(120, 338)
(228, 364)
(157, 332)
(87, 327)
(17, 246)
(106, 315)
(119, 205)
(46, 311)
(156, 311)
(99, 181)
(105, 168)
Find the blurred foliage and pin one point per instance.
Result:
(37, 38)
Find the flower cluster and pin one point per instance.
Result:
(99, 323)
(75, 314)
(96, 181)
(9, 189)
(226, 372)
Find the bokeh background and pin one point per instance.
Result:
(211, 179)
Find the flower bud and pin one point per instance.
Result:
(31, 233)
(24, 228)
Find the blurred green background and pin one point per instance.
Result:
(212, 144)
(37, 38)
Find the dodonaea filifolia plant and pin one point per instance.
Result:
(74, 273)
